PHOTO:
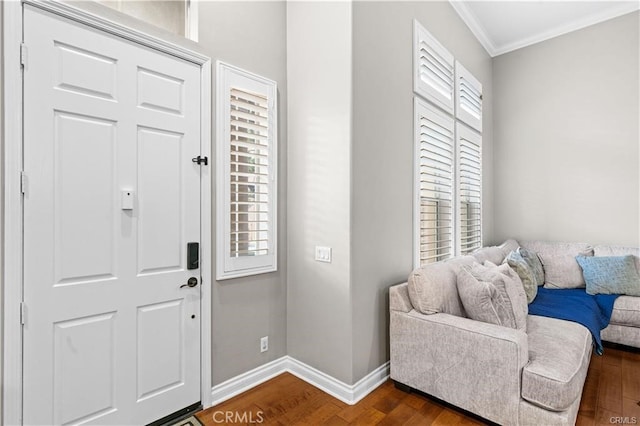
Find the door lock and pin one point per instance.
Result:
(191, 282)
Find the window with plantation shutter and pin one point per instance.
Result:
(469, 188)
(468, 98)
(434, 214)
(448, 153)
(433, 69)
(246, 180)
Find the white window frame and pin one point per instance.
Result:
(229, 76)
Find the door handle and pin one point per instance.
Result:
(191, 282)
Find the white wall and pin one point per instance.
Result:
(318, 189)
(566, 137)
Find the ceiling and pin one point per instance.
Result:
(503, 26)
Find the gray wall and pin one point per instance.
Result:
(319, 85)
(382, 166)
(246, 309)
(566, 137)
(351, 170)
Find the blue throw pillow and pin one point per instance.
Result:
(610, 274)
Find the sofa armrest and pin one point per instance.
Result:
(473, 365)
(399, 298)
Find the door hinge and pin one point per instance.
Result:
(201, 160)
(23, 182)
(23, 54)
(23, 313)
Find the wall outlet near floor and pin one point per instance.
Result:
(323, 254)
(264, 344)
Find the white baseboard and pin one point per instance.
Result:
(349, 394)
(245, 381)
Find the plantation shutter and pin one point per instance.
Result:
(433, 69)
(246, 120)
(469, 188)
(434, 210)
(468, 98)
(249, 192)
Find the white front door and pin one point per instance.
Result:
(112, 335)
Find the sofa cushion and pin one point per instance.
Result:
(626, 311)
(559, 355)
(493, 254)
(610, 274)
(618, 251)
(432, 287)
(561, 270)
(525, 273)
(508, 246)
(483, 301)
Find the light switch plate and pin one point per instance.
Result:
(323, 254)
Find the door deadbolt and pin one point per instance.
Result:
(191, 282)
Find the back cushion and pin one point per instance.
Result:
(561, 270)
(493, 254)
(432, 288)
(618, 251)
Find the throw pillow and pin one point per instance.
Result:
(533, 260)
(482, 301)
(525, 272)
(515, 291)
(610, 274)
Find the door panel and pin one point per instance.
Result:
(159, 185)
(85, 232)
(160, 91)
(155, 375)
(84, 345)
(110, 336)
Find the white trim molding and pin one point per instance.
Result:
(12, 209)
(349, 394)
(478, 30)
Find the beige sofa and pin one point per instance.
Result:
(502, 374)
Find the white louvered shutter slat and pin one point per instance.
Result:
(249, 195)
(469, 188)
(468, 98)
(435, 189)
(433, 69)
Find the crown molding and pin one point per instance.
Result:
(574, 25)
(469, 18)
(476, 28)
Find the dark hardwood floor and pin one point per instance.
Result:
(611, 393)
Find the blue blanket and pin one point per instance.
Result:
(594, 312)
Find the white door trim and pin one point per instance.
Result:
(12, 252)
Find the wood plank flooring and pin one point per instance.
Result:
(612, 389)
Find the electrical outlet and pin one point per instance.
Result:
(264, 344)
